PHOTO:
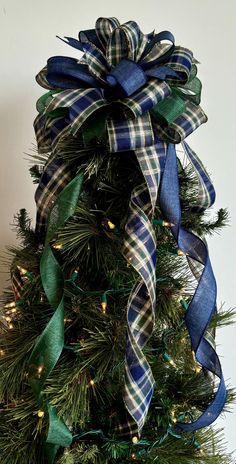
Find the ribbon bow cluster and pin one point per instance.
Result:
(149, 94)
(154, 83)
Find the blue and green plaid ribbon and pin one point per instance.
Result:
(155, 87)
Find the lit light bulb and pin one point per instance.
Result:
(180, 253)
(40, 413)
(104, 307)
(198, 369)
(104, 303)
(167, 224)
(2, 352)
(40, 369)
(11, 326)
(57, 246)
(135, 439)
(111, 225)
(13, 310)
(22, 270)
(10, 305)
(91, 382)
(8, 318)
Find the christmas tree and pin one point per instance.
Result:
(107, 345)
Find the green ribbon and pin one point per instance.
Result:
(49, 344)
(173, 106)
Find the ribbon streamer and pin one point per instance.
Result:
(50, 343)
(203, 303)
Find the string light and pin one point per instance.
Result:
(180, 252)
(198, 369)
(104, 303)
(10, 305)
(40, 413)
(91, 382)
(40, 370)
(74, 275)
(2, 352)
(133, 456)
(168, 359)
(135, 439)
(8, 318)
(184, 304)
(167, 224)
(111, 225)
(11, 326)
(57, 246)
(22, 270)
(161, 222)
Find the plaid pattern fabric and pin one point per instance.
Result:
(130, 134)
(126, 41)
(41, 79)
(183, 125)
(180, 60)
(140, 251)
(55, 177)
(48, 132)
(143, 100)
(96, 61)
(152, 161)
(206, 192)
(81, 103)
(104, 28)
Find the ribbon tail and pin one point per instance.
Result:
(203, 303)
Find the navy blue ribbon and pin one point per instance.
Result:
(203, 303)
(127, 77)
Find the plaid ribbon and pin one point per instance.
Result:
(138, 72)
(54, 178)
(140, 251)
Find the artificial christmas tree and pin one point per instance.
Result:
(108, 332)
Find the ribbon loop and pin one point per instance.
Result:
(128, 76)
(104, 28)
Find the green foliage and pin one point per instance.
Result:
(84, 454)
(86, 384)
(22, 225)
(21, 433)
(35, 173)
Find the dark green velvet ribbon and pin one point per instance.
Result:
(50, 343)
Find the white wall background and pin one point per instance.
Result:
(28, 30)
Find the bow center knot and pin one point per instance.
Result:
(127, 77)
